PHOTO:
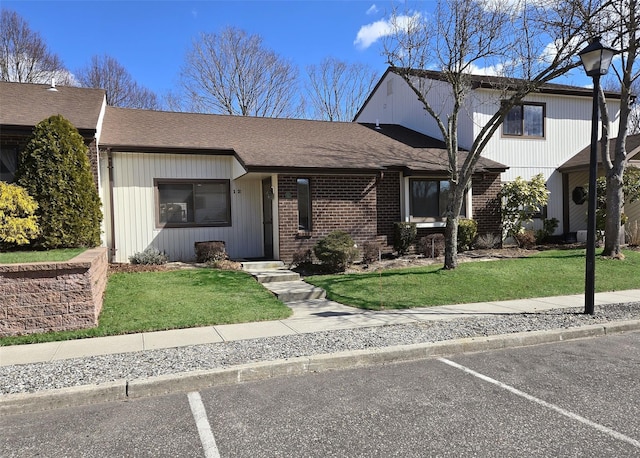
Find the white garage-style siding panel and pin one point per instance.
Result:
(135, 212)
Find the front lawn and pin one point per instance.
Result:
(59, 255)
(549, 273)
(152, 301)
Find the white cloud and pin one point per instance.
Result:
(373, 9)
(370, 33)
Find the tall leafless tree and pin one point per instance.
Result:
(529, 43)
(621, 23)
(105, 72)
(231, 72)
(337, 89)
(24, 56)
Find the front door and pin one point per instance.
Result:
(267, 217)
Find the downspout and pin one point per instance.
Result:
(112, 224)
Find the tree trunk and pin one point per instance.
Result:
(451, 243)
(615, 198)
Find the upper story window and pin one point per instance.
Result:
(525, 120)
(428, 199)
(184, 203)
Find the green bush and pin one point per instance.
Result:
(336, 251)
(18, 223)
(549, 226)
(467, 232)
(150, 256)
(54, 169)
(403, 236)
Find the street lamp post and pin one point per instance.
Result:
(596, 59)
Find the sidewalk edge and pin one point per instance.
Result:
(121, 390)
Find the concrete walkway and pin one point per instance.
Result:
(310, 314)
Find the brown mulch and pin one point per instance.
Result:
(386, 263)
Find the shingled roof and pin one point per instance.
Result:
(268, 144)
(582, 159)
(25, 105)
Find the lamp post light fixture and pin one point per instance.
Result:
(596, 59)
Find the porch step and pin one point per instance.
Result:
(261, 266)
(272, 276)
(289, 291)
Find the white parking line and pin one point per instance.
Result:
(560, 410)
(204, 429)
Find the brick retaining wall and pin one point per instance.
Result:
(52, 296)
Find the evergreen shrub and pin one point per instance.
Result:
(54, 168)
(336, 251)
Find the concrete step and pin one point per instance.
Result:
(273, 276)
(289, 291)
(260, 266)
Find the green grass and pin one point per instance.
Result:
(60, 255)
(152, 301)
(549, 273)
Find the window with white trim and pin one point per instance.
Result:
(525, 120)
(186, 203)
(428, 198)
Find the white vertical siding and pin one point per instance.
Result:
(135, 212)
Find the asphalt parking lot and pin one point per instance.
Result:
(578, 398)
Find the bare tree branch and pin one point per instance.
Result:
(106, 73)
(24, 56)
(336, 89)
(232, 73)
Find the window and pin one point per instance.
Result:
(526, 120)
(428, 199)
(8, 164)
(304, 204)
(183, 203)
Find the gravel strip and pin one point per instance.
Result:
(131, 366)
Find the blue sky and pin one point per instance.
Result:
(150, 38)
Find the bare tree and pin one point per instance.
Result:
(107, 73)
(621, 21)
(25, 57)
(233, 73)
(528, 43)
(337, 89)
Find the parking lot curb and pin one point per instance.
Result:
(121, 390)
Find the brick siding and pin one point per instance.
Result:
(60, 296)
(366, 207)
(345, 203)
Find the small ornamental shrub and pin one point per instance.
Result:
(521, 201)
(403, 236)
(18, 223)
(371, 252)
(487, 241)
(210, 252)
(431, 246)
(336, 251)
(150, 256)
(54, 169)
(526, 239)
(467, 232)
(549, 226)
